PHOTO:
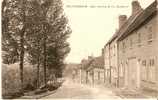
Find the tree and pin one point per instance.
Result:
(57, 46)
(13, 31)
(17, 18)
(34, 36)
(36, 30)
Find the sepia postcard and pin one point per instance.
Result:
(79, 49)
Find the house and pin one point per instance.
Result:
(106, 63)
(138, 50)
(84, 72)
(92, 70)
(130, 56)
(96, 71)
(111, 55)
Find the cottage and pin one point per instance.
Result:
(92, 70)
(96, 70)
(111, 55)
(130, 56)
(138, 50)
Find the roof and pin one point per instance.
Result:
(135, 22)
(112, 38)
(86, 63)
(97, 62)
(122, 28)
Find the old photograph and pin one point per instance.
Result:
(79, 49)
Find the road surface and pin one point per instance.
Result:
(70, 90)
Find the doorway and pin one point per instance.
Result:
(133, 73)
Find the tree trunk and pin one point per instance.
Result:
(44, 61)
(22, 33)
(38, 84)
(21, 57)
(38, 64)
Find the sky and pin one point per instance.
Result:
(93, 23)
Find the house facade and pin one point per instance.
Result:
(111, 55)
(138, 50)
(92, 71)
(97, 67)
(131, 55)
(107, 63)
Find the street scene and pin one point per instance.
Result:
(78, 91)
(56, 49)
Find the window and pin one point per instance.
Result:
(148, 70)
(121, 69)
(127, 43)
(151, 70)
(144, 63)
(150, 35)
(98, 75)
(150, 29)
(144, 70)
(139, 39)
(131, 42)
(123, 44)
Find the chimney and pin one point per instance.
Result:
(136, 7)
(122, 20)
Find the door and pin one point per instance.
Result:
(133, 73)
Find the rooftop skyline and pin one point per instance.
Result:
(92, 26)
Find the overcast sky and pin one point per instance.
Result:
(92, 26)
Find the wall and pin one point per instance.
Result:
(98, 76)
(143, 47)
(106, 62)
(113, 62)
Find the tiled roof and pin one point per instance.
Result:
(133, 22)
(86, 63)
(122, 28)
(97, 62)
(112, 38)
(136, 21)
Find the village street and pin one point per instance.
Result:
(72, 90)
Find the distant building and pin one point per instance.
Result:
(92, 70)
(96, 70)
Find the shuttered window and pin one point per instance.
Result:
(151, 75)
(148, 70)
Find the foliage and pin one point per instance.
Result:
(36, 32)
(11, 77)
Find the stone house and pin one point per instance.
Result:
(130, 56)
(92, 70)
(138, 50)
(96, 71)
(84, 72)
(106, 63)
(111, 55)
